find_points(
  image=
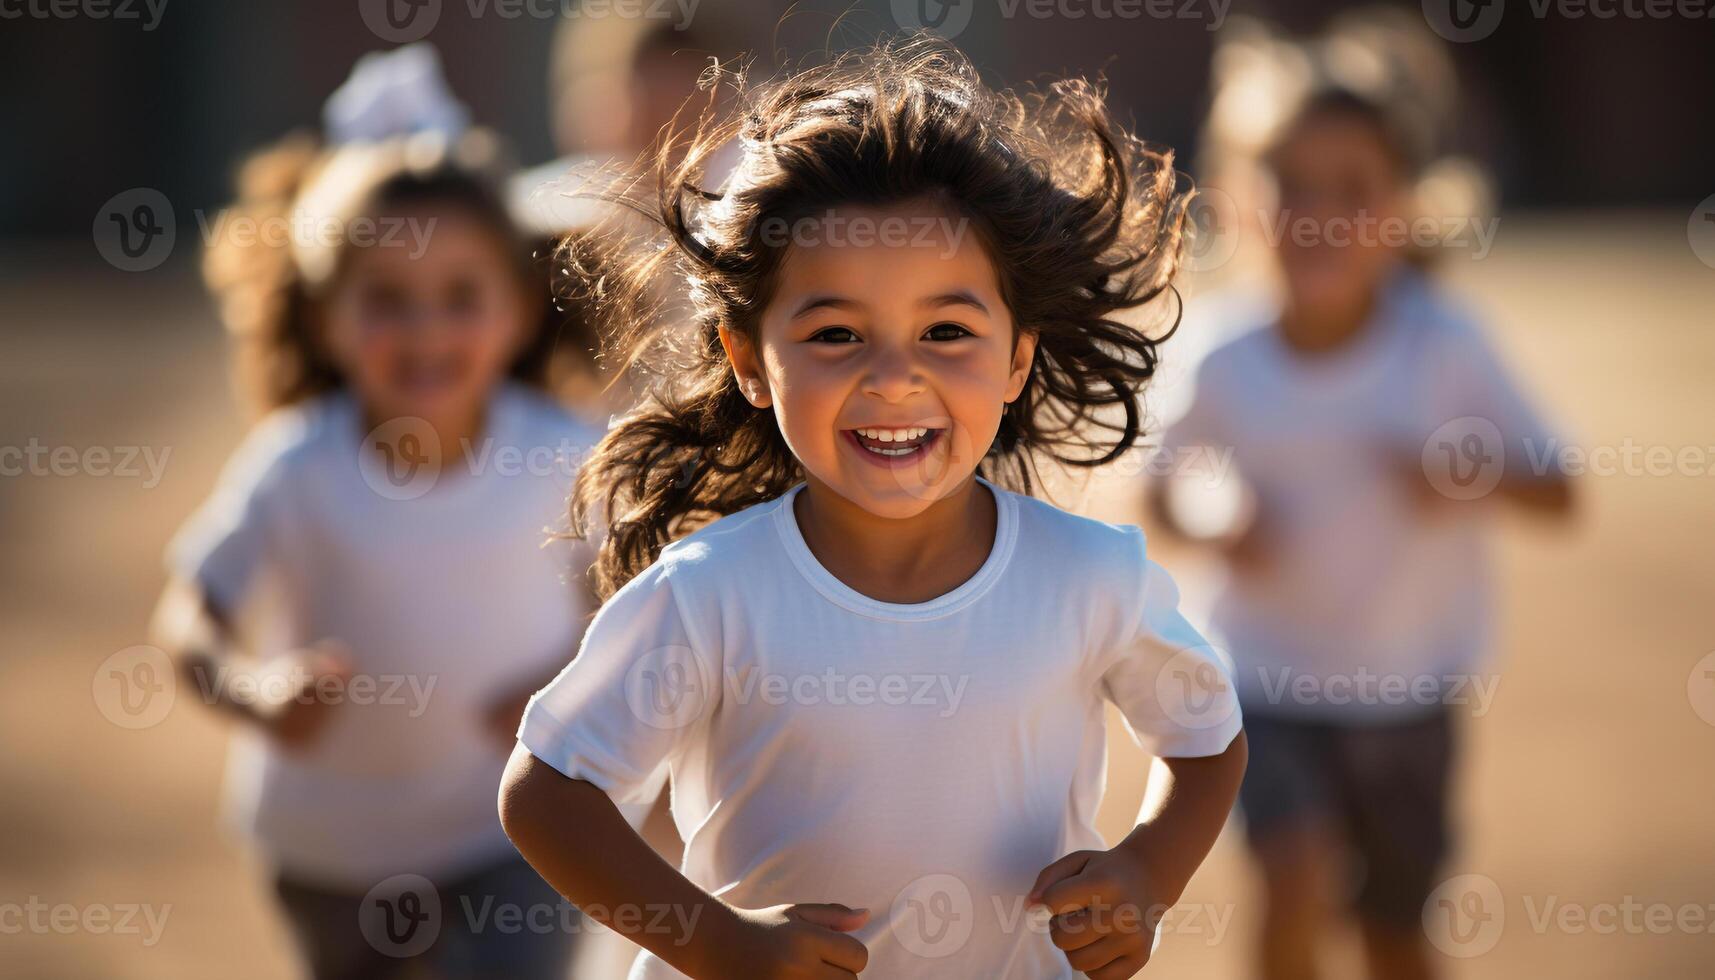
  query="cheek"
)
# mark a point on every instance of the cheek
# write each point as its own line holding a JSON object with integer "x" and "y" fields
{"x": 360, "y": 346}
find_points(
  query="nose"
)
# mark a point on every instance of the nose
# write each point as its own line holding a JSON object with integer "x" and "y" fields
{"x": 892, "y": 374}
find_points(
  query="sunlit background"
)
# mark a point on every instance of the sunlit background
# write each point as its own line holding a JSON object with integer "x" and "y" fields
{"x": 1588, "y": 785}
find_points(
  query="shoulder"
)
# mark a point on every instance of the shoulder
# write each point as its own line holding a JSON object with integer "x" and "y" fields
{"x": 1077, "y": 545}
{"x": 1435, "y": 315}
{"x": 745, "y": 538}
{"x": 284, "y": 442}
{"x": 539, "y": 420}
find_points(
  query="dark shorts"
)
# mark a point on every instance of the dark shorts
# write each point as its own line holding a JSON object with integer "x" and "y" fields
{"x": 1380, "y": 789}
{"x": 498, "y": 921}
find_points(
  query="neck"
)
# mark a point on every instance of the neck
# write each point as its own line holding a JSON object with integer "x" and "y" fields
{"x": 1312, "y": 329}
{"x": 905, "y": 560}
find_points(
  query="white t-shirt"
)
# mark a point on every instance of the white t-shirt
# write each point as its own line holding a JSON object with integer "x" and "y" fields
{"x": 446, "y": 595}
{"x": 1369, "y": 593}
{"x": 922, "y": 760}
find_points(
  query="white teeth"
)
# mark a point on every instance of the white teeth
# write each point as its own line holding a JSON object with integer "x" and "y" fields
{"x": 894, "y": 435}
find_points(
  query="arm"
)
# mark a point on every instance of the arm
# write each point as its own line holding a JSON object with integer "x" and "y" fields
{"x": 1107, "y": 904}
{"x": 607, "y": 870}
{"x": 199, "y": 635}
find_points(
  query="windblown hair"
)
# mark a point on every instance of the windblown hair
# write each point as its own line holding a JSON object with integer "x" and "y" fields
{"x": 270, "y": 281}
{"x": 1082, "y": 220}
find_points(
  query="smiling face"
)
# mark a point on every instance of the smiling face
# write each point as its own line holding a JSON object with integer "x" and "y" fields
{"x": 426, "y": 325}
{"x": 887, "y": 355}
{"x": 1335, "y": 169}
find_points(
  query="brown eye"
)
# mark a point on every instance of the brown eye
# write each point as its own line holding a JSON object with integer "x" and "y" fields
{"x": 834, "y": 335}
{"x": 947, "y": 331}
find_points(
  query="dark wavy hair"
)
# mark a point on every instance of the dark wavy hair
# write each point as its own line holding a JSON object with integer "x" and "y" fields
{"x": 269, "y": 304}
{"x": 1081, "y": 218}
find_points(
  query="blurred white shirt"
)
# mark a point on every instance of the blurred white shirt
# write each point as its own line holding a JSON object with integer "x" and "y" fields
{"x": 443, "y": 591}
{"x": 922, "y": 760}
{"x": 1367, "y": 592}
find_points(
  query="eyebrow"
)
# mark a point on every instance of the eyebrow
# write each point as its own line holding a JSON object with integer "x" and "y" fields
{"x": 958, "y": 297}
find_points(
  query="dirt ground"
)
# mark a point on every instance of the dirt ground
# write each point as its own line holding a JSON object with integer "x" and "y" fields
{"x": 1585, "y": 797}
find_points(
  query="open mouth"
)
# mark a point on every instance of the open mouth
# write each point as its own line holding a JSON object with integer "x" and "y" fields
{"x": 893, "y": 445}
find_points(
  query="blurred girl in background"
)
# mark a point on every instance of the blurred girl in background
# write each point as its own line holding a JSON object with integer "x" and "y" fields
{"x": 1361, "y": 405}
{"x": 377, "y": 544}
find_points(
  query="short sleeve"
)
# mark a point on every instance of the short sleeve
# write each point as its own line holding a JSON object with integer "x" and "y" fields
{"x": 1483, "y": 388}
{"x": 639, "y": 689}
{"x": 1173, "y": 687}
{"x": 229, "y": 538}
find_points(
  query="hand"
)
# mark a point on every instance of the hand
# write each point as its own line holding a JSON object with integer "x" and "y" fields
{"x": 287, "y": 706}
{"x": 792, "y": 941}
{"x": 1104, "y": 909}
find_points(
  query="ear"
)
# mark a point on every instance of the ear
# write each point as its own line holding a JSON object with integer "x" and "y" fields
{"x": 1023, "y": 355}
{"x": 746, "y": 367}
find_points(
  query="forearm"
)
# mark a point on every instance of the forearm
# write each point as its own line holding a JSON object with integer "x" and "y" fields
{"x": 199, "y": 636}
{"x": 1183, "y": 815}
{"x": 577, "y": 840}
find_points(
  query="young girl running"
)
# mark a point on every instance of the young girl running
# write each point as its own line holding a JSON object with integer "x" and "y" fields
{"x": 376, "y": 544}
{"x": 875, "y": 677}
{"x": 1357, "y": 604}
